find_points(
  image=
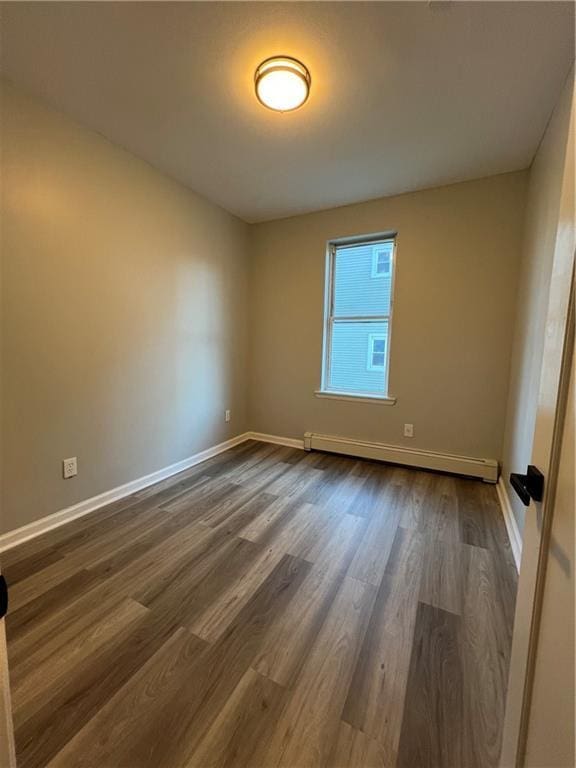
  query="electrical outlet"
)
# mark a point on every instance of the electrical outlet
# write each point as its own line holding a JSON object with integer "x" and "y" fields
{"x": 69, "y": 467}
{"x": 227, "y": 415}
{"x": 408, "y": 430}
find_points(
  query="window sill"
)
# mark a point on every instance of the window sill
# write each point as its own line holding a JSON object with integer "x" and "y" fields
{"x": 379, "y": 399}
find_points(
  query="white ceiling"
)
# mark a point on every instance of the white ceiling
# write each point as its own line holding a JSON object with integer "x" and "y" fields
{"x": 404, "y": 95}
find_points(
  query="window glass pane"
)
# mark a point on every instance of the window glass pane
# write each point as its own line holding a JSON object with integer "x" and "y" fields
{"x": 378, "y": 359}
{"x": 378, "y": 345}
{"x": 349, "y": 369}
{"x": 357, "y": 291}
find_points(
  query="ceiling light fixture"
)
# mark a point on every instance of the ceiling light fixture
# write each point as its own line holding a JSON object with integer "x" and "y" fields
{"x": 282, "y": 83}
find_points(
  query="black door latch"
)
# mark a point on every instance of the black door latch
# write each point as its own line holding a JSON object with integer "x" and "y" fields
{"x": 528, "y": 486}
{"x": 3, "y": 597}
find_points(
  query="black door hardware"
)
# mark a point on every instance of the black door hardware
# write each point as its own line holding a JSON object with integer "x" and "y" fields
{"x": 528, "y": 486}
{"x": 3, "y": 597}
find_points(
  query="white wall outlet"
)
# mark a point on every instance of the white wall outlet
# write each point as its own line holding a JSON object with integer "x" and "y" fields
{"x": 227, "y": 415}
{"x": 408, "y": 430}
{"x": 69, "y": 467}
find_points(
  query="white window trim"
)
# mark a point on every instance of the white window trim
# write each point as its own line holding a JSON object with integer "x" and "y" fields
{"x": 372, "y": 337}
{"x": 351, "y": 397}
{"x": 324, "y": 391}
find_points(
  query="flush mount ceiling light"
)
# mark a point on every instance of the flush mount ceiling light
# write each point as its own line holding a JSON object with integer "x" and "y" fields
{"x": 282, "y": 83}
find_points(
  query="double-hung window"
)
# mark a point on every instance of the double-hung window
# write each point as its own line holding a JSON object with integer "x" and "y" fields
{"x": 358, "y": 318}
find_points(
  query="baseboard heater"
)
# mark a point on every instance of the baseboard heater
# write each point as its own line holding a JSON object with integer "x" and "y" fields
{"x": 486, "y": 469}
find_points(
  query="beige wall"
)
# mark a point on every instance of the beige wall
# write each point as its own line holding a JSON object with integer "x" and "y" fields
{"x": 458, "y": 256}
{"x": 542, "y": 211}
{"x": 123, "y": 310}
{"x": 125, "y": 328}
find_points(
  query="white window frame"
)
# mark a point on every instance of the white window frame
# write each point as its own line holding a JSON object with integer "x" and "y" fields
{"x": 376, "y": 251}
{"x": 329, "y": 319}
{"x": 372, "y": 337}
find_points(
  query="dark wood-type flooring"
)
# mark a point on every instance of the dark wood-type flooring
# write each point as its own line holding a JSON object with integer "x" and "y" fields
{"x": 269, "y": 607}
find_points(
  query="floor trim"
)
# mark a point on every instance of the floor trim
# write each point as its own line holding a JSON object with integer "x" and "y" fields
{"x": 262, "y": 437}
{"x": 510, "y": 521}
{"x": 487, "y": 469}
{"x": 37, "y": 527}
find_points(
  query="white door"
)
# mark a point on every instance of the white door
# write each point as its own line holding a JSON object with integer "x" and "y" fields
{"x": 552, "y": 398}
{"x": 551, "y": 737}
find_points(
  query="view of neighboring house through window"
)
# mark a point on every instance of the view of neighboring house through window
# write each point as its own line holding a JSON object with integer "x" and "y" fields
{"x": 358, "y": 317}
{"x": 380, "y": 260}
{"x": 376, "y": 352}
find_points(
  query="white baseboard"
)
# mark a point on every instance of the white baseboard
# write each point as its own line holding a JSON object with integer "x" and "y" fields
{"x": 484, "y": 468}
{"x": 291, "y": 442}
{"x": 511, "y": 524}
{"x": 487, "y": 469}
{"x": 38, "y": 527}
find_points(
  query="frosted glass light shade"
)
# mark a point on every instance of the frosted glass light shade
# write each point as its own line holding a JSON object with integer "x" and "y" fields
{"x": 282, "y": 83}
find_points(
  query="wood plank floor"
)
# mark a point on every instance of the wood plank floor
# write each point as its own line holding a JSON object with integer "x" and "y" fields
{"x": 269, "y": 607}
